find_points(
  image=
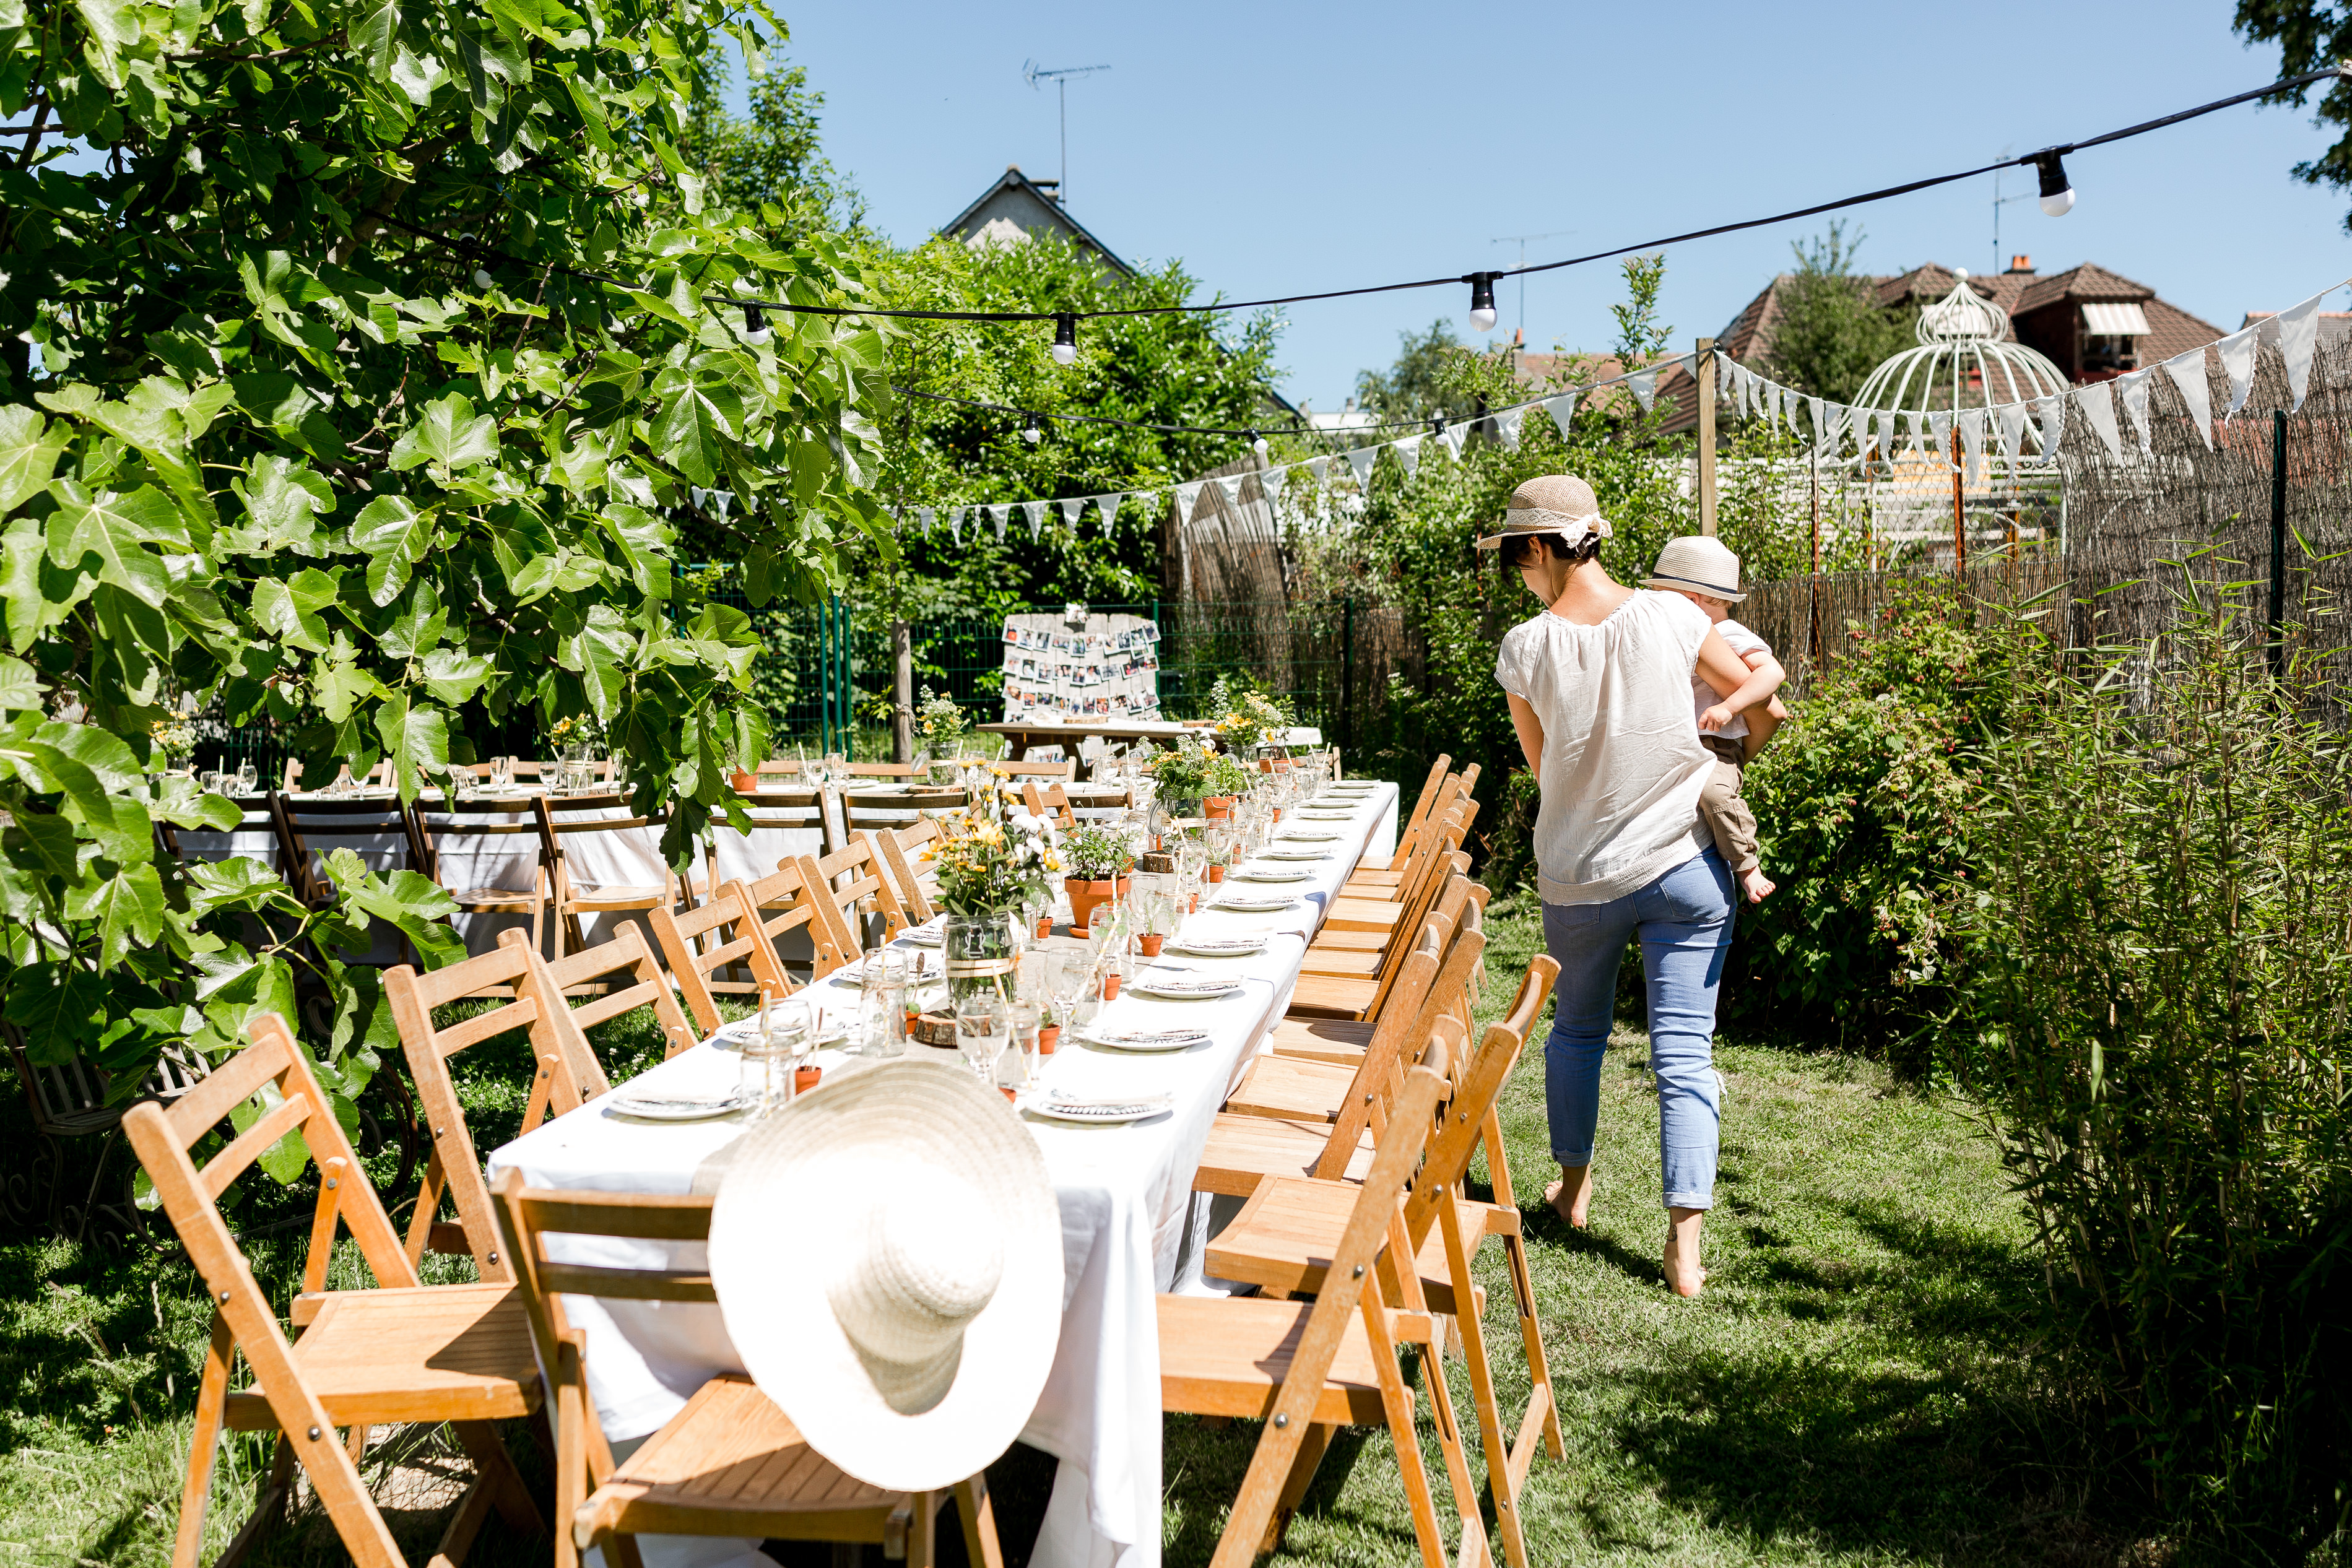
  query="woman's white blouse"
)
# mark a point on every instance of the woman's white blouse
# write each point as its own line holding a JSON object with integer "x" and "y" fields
{"x": 1623, "y": 766}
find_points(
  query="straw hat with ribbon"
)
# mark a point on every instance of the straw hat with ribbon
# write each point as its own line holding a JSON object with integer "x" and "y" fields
{"x": 887, "y": 1253}
{"x": 1559, "y": 503}
{"x": 1700, "y": 564}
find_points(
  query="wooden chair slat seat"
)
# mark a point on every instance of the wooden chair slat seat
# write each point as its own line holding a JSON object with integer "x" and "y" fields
{"x": 1232, "y": 1357}
{"x": 432, "y": 1353}
{"x": 1243, "y": 1150}
{"x": 1288, "y": 1088}
{"x": 1323, "y": 1040}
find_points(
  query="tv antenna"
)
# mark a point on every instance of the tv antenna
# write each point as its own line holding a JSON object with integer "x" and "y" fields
{"x": 1032, "y": 73}
{"x": 1522, "y": 241}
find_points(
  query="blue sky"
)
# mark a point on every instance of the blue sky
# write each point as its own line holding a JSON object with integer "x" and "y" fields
{"x": 1280, "y": 149}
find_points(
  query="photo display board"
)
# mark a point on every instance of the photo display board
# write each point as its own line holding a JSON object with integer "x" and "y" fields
{"x": 1106, "y": 669}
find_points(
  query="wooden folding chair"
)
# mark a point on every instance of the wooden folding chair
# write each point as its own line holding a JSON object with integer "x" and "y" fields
{"x": 723, "y": 933}
{"x": 910, "y": 876}
{"x": 1245, "y": 1147}
{"x": 1060, "y": 772}
{"x": 1053, "y": 802}
{"x": 850, "y": 881}
{"x": 377, "y": 777}
{"x": 400, "y": 1353}
{"x": 304, "y": 825}
{"x": 1364, "y": 925}
{"x": 585, "y": 982}
{"x": 1316, "y": 1036}
{"x": 1437, "y": 792}
{"x": 504, "y": 825}
{"x": 576, "y": 895}
{"x": 565, "y": 1076}
{"x": 731, "y": 1463}
{"x": 792, "y": 896}
{"x": 1323, "y": 995}
{"x": 1289, "y": 1231}
{"x": 1306, "y": 1370}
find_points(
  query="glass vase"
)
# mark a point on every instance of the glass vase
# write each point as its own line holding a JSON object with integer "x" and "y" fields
{"x": 981, "y": 952}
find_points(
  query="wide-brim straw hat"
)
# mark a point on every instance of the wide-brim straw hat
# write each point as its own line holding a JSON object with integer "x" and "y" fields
{"x": 1700, "y": 564}
{"x": 1559, "y": 503}
{"x": 887, "y": 1253}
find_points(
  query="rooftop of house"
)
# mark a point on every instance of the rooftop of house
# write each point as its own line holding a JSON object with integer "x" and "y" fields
{"x": 1015, "y": 208}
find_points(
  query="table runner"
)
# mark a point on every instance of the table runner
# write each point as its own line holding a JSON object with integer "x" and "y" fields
{"x": 1132, "y": 1224}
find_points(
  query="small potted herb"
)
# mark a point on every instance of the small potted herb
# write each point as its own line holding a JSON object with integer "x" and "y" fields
{"x": 1225, "y": 781}
{"x": 1094, "y": 862}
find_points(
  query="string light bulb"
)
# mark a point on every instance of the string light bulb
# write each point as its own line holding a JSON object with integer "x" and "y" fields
{"x": 1032, "y": 435}
{"x": 1065, "y": 339}
{"x": 1258, "y": 443}
{"x": 756, "y": 330}
{"x": 1482, "y": 300}
{"x": 2057, "y": 190}
{"x": 482, "y": 277}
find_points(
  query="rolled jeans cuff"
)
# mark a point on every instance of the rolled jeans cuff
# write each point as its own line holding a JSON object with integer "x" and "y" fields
{"x": 1690, "y": 1200}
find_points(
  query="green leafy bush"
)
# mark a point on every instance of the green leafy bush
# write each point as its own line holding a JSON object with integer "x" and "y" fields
{"x": 2157, "y": 972}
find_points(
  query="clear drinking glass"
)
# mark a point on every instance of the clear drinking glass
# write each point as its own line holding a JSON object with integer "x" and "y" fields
{"x": 1023, "y": 1056}
{"x": 984, "y": 1023}
{"x": 882, "y": 1012}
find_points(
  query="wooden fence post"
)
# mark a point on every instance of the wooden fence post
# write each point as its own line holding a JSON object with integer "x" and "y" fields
{"x": 902, "y": 689}
{"x": 1705, "y": 368}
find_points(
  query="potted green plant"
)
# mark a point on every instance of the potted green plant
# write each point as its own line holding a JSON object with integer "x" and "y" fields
{"x": 1180, "y": 774}
{"x": 1095, "y": 861}
{"x": 1224, "y": 781}
{"x": 942, "y": 727}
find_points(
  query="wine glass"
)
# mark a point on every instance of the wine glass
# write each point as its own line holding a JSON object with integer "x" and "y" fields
{"x": 249, "y": 776}
{"x": 984, "y": 1023}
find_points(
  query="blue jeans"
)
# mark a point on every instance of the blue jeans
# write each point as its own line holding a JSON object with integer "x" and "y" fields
{"x": 1685, "y": 919}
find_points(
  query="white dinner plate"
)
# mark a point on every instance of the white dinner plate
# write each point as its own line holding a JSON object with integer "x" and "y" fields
{"x": 1326, "y": 815}
{"x": 1253, "y": 903}
{"x": 1145, "y": 1039}
{"x": 652, "y": 1107}
{"x": 1218, "y": 946}
{"x": 929, "y": 933}
{"x": 1313, "y": 836}
{"x": 1183, "y": 988}
{"x": 1298, "y": 854}
{"x": 1098, "y": 1112}
{"x": 836, "y": 1030}
{"x": 1266, "y": 873}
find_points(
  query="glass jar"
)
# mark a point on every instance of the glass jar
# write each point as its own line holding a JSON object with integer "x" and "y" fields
{"x": 981, "y": 951}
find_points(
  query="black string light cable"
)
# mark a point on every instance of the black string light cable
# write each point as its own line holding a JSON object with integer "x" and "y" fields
{"x": 1254, "y": 432}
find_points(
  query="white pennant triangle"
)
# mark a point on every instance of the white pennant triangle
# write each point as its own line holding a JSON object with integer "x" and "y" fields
{"x": 1889, "y": 428}
{"x": 1939, "y": 432}
{"x": 2187, "y": 373}
{"x": 1815, "y": 406}
{"x": 1000, "y": 514}
{"x": 955, "y": 525}
{"x": 2097, "y": 402}
{"x": 2012, "y": 432}
{"x": 2298, "y": 330}
{"x": 1320, "y": 468}
{"x": 2238, "y": 363}
{"x": 1360, "y": 460}
{"x": 2052, "y": 410}
{"x": 1229, "y": 485}
{"x": 1271, "y": 481}
{"x": 2134, "y": 389}
{"x": 1070, "y": 510}
{"x": 1110, "y": 506}
{"x": 1408, "y": 451}
{"x": 1187, "y": 494}
{"x": 1644, "y": 385}
{"x": 1034, "y": 511}
{"x": 1453, "y": 437}
{"x": 1507, "y": 426}
{"x": 1918, "y": 423}
{"x": 1561, "y": 409}
{"x": 928, "y": 516}
{"x": 1973, "y": 435}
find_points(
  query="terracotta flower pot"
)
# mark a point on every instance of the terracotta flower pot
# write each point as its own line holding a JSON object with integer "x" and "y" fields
{"x": 1045, "y": 925}
{"x": 1215, "y": 807}
{"x": 745, "y": 783}
{"x": 1110, "y": 987}
{"x": 1048, "y": 1038}
{"x": 1085, "y": 897}
{"x": 805, "y": 1079}
{"x": 1216, "y": 874}
{"x": 1152, "y": 944}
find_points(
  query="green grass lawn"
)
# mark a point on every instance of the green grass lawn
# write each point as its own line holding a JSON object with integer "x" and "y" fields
{"x": 1855, "y": 1388}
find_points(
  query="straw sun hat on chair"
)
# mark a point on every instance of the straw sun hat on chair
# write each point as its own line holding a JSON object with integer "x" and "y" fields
{"x": 1559, "y": 503}
{"x": 887, "y": 1253}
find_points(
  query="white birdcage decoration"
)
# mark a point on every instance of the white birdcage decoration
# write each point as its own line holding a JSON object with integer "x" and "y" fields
{"x": 1966, "y": 358}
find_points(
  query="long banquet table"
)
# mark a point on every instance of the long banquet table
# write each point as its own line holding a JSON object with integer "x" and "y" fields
{"x": 1132, "y": 1225}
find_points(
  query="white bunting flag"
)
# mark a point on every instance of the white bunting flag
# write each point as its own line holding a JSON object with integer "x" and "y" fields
{"x": 2134, "y": 389}
{"x": 1507, "y": 426}
{"x": 1919, "y": 442}
{"x": 2053, "y": 411}
{"x": 2097, "y": 402}
{"x": 2187, "y": 373}
{"x": 1833, "y": 432}
{"x": 1408, "y": 451}
{"x": 2012, "y": 432}
{"x": 1813, "y": 407}
{"x": 999, "y": 515}
{"x": 1973, "y": 435}
{"x": 2238, "y": 363}
{"x": 1108, "y": 505}
{"x": 1561, "y": 409}
{"x": 1071, "y": 507}
{"x": 1939, "y": 432}
{"x": 1319, "y": 469}
{"x": 1360, "y": 461}
{"x": 1889, "y": 427}
{"x": 2298, "y": 330}
{"x": 1187, "y": 494}
{"x": 1644, "y": 385}
{"x": 1034, "y": 511}
{"x": 928, "y": 516}
{"x": 1271, "y": 481}
{"x": 955, "y": 525}
{"x": 1229, "y": 485}
{"x": 1453, "y": 435}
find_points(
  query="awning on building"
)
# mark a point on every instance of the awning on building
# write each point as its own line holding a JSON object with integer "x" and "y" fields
{"x": 2115, "y": 320}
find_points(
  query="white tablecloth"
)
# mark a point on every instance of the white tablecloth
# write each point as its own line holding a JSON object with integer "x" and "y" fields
{"x": 1132, "y": 1224}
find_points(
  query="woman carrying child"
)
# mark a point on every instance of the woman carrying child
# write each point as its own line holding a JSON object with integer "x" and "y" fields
{"x": 1599, "y": 683}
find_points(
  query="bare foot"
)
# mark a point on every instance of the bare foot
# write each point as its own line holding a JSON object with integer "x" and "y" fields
{"x": 1571, "y": 1195}
{"x": 1759, "y": 886}
{"x": 1685, "y": 1277}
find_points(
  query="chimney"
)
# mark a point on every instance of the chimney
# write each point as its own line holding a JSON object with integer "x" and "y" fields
{"x": 2022, "y": 264}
